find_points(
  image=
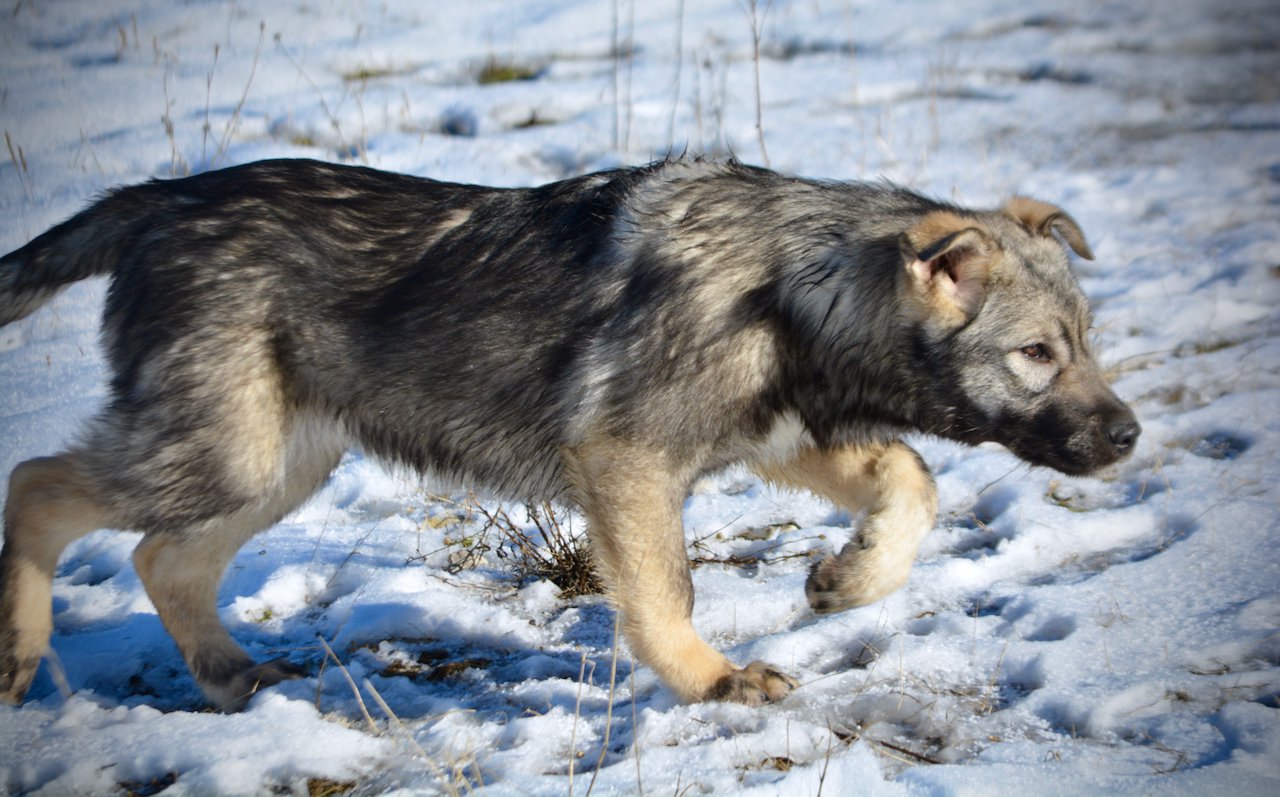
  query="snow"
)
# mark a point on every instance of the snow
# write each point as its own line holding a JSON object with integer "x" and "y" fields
{"x": 1106, "y": 635}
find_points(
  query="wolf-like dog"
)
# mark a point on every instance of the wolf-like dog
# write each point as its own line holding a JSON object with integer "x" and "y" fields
{"x": 604, "y": 341}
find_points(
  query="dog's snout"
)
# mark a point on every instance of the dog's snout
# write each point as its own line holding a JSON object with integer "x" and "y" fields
{"x": 1123, "y": 433}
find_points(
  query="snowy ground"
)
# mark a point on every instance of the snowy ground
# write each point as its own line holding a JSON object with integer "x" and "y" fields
{"x": 1058, "y": 635}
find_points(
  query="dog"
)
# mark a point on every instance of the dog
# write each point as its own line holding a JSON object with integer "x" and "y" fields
{"x": 604, "y": 341}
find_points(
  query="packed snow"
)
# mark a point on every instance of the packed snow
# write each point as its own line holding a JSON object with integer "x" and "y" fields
{"x": 1107, "y": 635}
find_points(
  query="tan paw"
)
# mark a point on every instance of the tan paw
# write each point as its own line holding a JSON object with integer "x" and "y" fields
{"x": 755, "y": 684}
{"x": 16, "y": 672}
{"x": 851, "y": 579}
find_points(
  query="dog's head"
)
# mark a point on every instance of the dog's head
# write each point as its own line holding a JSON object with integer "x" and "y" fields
{"x": 1003, "y": 327}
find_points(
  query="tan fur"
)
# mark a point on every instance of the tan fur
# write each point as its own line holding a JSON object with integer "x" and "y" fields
{"x": 1043, "y": 218}
{"x": 892, "y": 484}
{"x": 787, "y": 437}
{"x": 947, "y": 264}
{"x": 50, "y": 504}
{"x": 455, "y": 218}
{"x": 632, "y": 497}
{"x": 181, "y": 572}
{"x": 253, "y": 411}
{"x": 935, "y": 226}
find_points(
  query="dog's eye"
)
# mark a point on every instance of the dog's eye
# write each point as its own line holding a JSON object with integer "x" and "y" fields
{"x": 1037, "y": 352}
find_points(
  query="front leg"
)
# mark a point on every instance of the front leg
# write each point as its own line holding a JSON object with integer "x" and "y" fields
{"x": 893, "y": 484}
{"x": 632, "y": 498}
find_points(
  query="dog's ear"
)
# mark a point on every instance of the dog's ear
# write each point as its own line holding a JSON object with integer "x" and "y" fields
{"x": 1045, "y": 219}
{"x": 947, "y": 260}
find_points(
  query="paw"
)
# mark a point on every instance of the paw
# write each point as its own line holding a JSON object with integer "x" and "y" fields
{"x": 756, "y": 684}
{"x": 852, "y": 579}
{"x": 234, "y": 693}
{"x": 16, "y": 673}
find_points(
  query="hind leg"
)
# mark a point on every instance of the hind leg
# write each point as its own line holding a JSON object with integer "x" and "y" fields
{"x": 207, "y": 449}
{"x": 181, "y": 570}
{"x": 51, "y": 502}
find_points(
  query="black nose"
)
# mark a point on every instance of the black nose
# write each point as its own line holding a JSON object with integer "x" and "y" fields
{"x": 1123, "y": 434}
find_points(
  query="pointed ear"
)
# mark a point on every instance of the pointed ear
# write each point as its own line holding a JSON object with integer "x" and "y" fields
{"x": 1045, "y": 219}
{"x": 947, "y": 260}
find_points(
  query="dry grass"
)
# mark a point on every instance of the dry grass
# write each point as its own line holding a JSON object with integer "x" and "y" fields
{"x": 496, "y": 71}
{"x": 324, "y": 787}
{"x": 546, "y": 547}
{"x": 19, "y": 159}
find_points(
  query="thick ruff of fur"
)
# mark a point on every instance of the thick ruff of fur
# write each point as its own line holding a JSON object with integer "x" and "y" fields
{"x": 604, "y": 340}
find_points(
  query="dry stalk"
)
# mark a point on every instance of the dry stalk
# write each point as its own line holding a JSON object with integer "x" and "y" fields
{"x": 404, "y": 730}
{"x": 324, "y": 106}
{"x": 19, "y": 159}
{"x": 355, "y": 690}
{"x": 675, "y": 99}
{"x": 208, "y": 91}
{"x": 608, "y": 714}
{"x": 989, "y": 693}
{"x": 826, "y": 759}
{"x": 635, "y": 728}
{"x": 577, "y": 714}
{"x": 917, "y": 758}
{"x": 757, "y": 28}
{"x": 175, "y": 155}
{"x": 234, "y": 123}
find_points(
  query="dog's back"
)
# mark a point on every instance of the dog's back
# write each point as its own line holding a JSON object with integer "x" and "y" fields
{"x": 440, "y": 323}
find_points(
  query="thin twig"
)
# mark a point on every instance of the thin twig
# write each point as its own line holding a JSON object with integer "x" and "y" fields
{"x": 757, "y": 27}
{"x": 391, "y": 715}
{"x": 635, "y": 728}
{"x": 616, "y": 94}
{"x": 913, "y": 754}
{"x": 234, "y": 123}
{"x": 675, "y": 100}
{"x": 208, "y": 91}
{"x": 57, "y": 673}
{"x": 826, "y": 759}
{"x": 355, "y": 690}
{"x": 608, "y": 714}
{"x": 577, "y": 714}
{"x": 20, "y": 163}
{"x": 324, "y": 106}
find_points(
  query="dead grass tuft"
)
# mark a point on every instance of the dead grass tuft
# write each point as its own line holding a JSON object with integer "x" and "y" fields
{"x": 545, "y": 548}
{"x": 495, "y": 71}
{"x": 324, "y": 787}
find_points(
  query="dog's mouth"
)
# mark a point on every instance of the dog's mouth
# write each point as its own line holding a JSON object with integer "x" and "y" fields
{"x": 1076, "y": 449}
{"x": 1086, "y": 466}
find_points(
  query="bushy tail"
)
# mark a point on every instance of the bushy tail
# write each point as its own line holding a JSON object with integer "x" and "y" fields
{"x": 86, "y": 245}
